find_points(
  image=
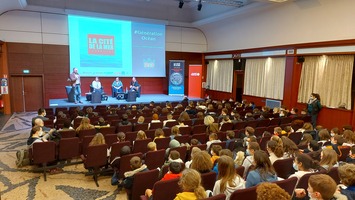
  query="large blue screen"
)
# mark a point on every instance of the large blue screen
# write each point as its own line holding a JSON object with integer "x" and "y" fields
{"x": 110, "y": 48}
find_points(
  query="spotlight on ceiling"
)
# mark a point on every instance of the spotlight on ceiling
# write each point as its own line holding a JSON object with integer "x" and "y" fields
{"x": 181, "y": 3}
{"x": 199, "y": 6}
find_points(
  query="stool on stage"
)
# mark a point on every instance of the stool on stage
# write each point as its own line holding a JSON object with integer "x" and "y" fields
{"x": 131, "y": 96}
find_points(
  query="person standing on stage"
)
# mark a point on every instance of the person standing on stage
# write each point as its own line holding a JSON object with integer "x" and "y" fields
{"x": 313, "y": 108}
{"x": 117, "y": 86}
{"x": 96, "y": 84}
{"x": 135, "y": 86}
{"x": 75, "y": 78}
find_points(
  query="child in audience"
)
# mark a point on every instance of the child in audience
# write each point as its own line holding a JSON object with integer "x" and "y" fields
{"x": 249, "y": 132}
{"x": 215, "y": 153}
{"x": 271, "y": 191}
{"x": 137, "y": 166}
{"x": 194, "y": 151}
{"x": 264, "y": 171}
{"x": 230, "y": 138}
{"x": 159, "y": 133}
{"x": 351, "y": 157}
{"x": 175, "y": 169}
{"x": 213, "y": 138}
{"x": 115, "y": 164}
{"x": 201, "y": 162}
{"x": 275, "y": 151}
{"x": 175, "y": 131}
{"x": 228, "y": 181}
{"x": 304, "y": 164}
{"x": 152, "y": 146}
{"x": 190, "y": 183}
{"x": 121, "y": 137}
{"x": 248, "y": 161}
{"x": 141, "y": 135}
{"x": 328, "y": 159}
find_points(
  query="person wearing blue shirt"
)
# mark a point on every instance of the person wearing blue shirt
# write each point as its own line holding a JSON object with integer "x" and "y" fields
{"x": 264, "y": 171}
{"x": 117, "y": 86}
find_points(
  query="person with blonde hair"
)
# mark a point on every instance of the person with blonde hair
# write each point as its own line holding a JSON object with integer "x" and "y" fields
{"x": 175, "y": 131}
{"x": 194, "y": 151}
{"x": 85, "y": 125}
{"x": 97, "y": 140}
{"x": 328, "y": 159}
{"x": 190, "y": 184}
{"x": 271, "y": 191}
{"x": 141, "y": 135}
{"x": 228, "y": 181}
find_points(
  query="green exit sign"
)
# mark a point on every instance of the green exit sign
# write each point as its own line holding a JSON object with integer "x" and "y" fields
{"x": 26, "y": 71}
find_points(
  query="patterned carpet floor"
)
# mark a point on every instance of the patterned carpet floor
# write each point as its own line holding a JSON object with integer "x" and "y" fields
{"x": 24, "y": 183}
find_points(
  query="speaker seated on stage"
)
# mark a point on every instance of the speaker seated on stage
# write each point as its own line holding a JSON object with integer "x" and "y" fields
{"x": 117, "y": 87}
{"x": 134, "y": 86}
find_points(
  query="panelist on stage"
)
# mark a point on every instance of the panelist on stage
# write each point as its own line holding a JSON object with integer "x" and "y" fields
{"x": 96, "y": 84}
{"x": 135, "y": 86}
{"x": 117, "y": 86}
{"x": 75, "y": 79}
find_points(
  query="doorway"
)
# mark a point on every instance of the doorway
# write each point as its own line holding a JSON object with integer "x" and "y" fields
{"x": 26, "y": 93}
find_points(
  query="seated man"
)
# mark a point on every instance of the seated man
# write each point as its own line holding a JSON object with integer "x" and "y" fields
{"x": 117, "y": 87}
{"x": 135, "y": 86}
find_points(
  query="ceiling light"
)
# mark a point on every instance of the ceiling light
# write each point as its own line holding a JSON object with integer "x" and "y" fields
{"x": 199, "y": 6}
{"x": 181, "y": 3}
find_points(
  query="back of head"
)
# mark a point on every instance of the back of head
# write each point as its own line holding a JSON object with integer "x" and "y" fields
{"x": 135, "y": 162}
{"x": 175, "y": 167}
{"x": 174, "y": 143}
{"x": 174, "y": 155}
{"x": 190, "y": 181}
{"x": 263, "y": 163}
{"x": 347, "y": 174}
{"x": 125, "y": 150}
{"x": 208, "y": 120}
{"x": 323, "y": 184}
{"x": 201, "y": 162}
{"x": 226, "y": 152}
{"x": 271, "y": 191}
{"x": 307, "y": 162}
{"x": 41, "y": 111}
{"x": 152, "y": 146}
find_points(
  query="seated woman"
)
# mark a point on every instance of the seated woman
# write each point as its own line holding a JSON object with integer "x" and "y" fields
{"x": 96, "y": 84}
{"x": 264, "y": 171}
{"x": 202, "y": 162}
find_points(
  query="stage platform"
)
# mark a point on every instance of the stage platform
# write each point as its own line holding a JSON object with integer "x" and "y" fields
{"x": 144, "y": 98}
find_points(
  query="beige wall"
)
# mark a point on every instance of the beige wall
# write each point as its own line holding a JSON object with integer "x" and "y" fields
{"x": 44, "y": 28}
{"x": 300, "y": 21}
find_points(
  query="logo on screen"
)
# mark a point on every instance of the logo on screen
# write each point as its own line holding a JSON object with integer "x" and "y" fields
{"x": 101, "y": 44}
{"x": 149, "y": 63}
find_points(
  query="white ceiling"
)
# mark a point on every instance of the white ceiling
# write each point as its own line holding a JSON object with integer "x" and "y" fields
{"x": 166, "y": 10}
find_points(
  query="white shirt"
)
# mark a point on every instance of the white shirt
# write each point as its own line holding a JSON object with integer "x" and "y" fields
{"x": 238, "y": 182}
{"x": 96, "y": 84}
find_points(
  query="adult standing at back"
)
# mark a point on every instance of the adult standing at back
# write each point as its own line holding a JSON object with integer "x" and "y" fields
{"x": 313, "y": 107}
{"x": 75, "y": 78}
